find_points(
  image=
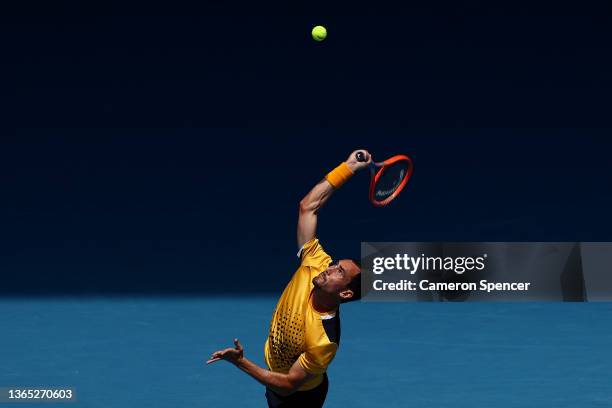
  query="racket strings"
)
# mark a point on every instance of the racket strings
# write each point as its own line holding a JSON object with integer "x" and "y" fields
{"x": 390, "y": 180}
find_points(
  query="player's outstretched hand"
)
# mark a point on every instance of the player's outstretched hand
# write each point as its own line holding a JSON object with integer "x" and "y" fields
{"x": 354, "y": 164}
{"x": 233, "y": 355}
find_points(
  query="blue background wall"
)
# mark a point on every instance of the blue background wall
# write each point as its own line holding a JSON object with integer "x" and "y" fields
{"x": 149, "y": 148}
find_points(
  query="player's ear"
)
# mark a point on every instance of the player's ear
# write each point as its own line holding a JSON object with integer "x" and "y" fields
{"x": 346, "y": 294}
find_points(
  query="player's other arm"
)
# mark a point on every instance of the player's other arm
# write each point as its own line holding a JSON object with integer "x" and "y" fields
{"x": 283, "y": 384}
{"x": 314, "y": 200}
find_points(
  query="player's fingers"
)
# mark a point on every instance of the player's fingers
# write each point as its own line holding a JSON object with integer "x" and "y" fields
{"x": 237, "y": 344}
{"x": 358, "y": 156}
{"x": 212, "y": 360}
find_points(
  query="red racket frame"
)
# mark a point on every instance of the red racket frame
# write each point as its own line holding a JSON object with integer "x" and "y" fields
{"x": 382, "y": 167}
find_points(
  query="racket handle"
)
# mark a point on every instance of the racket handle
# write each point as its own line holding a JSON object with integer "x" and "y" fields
{"x": 360, "y": 157}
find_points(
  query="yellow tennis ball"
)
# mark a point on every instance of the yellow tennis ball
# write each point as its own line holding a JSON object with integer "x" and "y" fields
{"x": 319, "y": 33}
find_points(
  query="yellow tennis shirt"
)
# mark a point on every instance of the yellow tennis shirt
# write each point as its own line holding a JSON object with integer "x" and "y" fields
{"x": 297, "y": 331}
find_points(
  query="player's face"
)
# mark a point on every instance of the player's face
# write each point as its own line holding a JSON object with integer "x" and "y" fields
{"x": 336, "y": 277}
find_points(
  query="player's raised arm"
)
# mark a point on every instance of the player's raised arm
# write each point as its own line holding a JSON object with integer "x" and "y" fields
{"x": 314, "y": 200}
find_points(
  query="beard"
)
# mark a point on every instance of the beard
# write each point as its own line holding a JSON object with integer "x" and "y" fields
{"x": 319, "y": 280}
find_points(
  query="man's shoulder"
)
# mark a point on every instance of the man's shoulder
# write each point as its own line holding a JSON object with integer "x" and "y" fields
{"x": 312, "y": 254}
{"x": 326, "y": 329}
{"x": 332, "y": 328}
{"x": 310, "y": 246}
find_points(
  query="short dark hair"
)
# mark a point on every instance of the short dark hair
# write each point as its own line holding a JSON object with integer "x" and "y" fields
{"x": 355, "y": 284}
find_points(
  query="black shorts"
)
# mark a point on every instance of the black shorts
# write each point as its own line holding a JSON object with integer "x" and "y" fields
{"x": 300, "y": 399}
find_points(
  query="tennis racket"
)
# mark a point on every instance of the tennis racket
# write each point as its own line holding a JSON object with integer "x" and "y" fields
{"x": 388, "y": 178}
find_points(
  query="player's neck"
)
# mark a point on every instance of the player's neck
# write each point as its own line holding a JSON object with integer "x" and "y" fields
{"x": 322, "y": 303}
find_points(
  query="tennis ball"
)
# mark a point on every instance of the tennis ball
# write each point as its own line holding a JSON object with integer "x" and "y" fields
{"x": 319, "y": 33}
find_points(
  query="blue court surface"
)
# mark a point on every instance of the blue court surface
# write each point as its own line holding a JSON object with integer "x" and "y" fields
{"x": 150, "y": 352}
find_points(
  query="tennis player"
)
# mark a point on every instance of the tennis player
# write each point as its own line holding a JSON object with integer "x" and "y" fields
{"x": 305, "y": 328}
